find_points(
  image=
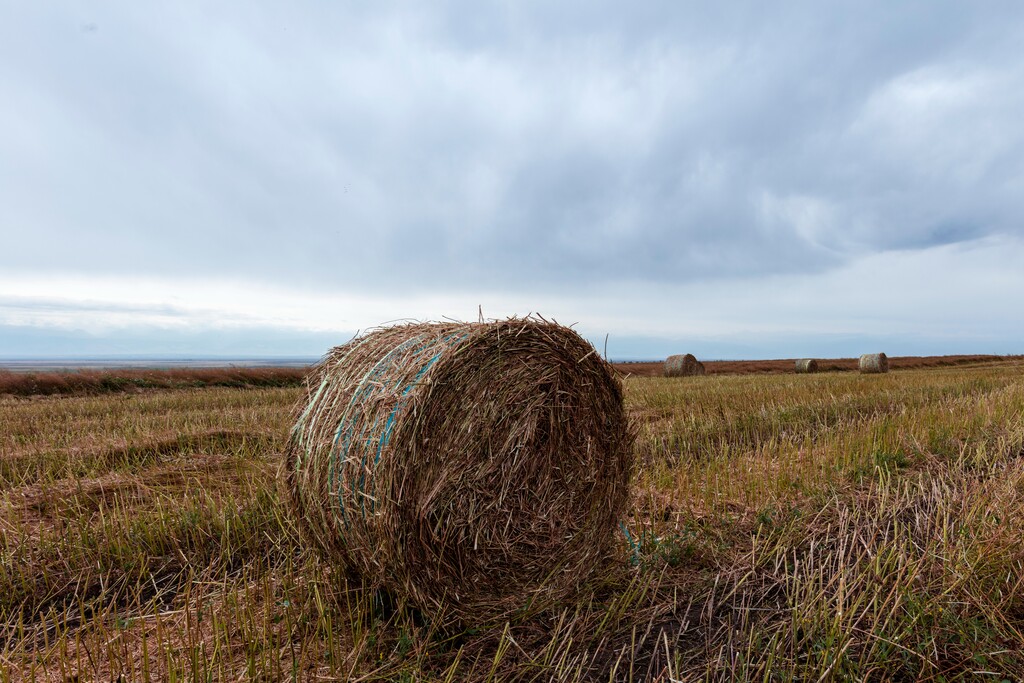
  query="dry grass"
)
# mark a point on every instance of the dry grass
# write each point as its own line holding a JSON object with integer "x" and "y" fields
{"x": 782, "y": 527}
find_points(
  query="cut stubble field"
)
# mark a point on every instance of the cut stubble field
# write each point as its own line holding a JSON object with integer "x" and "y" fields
{"x": 782, "y": 527}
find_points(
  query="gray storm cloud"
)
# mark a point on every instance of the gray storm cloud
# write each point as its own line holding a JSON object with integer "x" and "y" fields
{"x": 743, "y": 179}
{"x": 520, "y": 147}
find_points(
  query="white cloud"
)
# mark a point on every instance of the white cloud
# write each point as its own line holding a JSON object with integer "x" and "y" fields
{"x": 902, "y": 294}
{"x": 759, "y": 169}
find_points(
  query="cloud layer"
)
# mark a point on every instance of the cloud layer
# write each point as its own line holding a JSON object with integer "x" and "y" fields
{"x": 552, "y": 157}
{"x": 887, "y": 300}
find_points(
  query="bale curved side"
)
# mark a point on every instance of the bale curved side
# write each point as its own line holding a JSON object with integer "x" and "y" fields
{"x": 479, "y": 469}
{"x": 685, "y": 365}
{"x": 806, "y": 365}
{"x": 872, "y": 363}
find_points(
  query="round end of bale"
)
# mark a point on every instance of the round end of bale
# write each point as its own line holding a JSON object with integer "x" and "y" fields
{"x": 872, "y": 363}
{"x": 806, "y": 365}
{"x": 683, "y": 366}
{"x": 480, "y": 469}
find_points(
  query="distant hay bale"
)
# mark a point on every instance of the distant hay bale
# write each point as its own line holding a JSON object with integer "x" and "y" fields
{"x": 683, "y": 366}
{"x": 874, "y": 363}
{"x": 477, "y": 468}
{"x": 806, "y": 365}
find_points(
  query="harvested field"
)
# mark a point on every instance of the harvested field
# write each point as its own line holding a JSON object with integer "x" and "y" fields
{"x": 785, "y": 365}
{"x": 781, "y": 527}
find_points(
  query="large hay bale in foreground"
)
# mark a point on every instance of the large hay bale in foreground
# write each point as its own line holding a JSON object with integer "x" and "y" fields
{"x": 683, "y": 366}
{"x": 476, "y": 467}
{"x": 874, "y": 363}
{"x": 806, "y": 365}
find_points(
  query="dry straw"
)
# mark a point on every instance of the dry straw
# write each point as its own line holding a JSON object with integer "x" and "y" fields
{"x": 806, "y": 365}
{"x": 478, "y": 469}
{"x": 874, "y": 363}
{"x": 683, "y": 366}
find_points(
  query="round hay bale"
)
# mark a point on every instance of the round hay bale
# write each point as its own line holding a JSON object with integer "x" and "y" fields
{"x": 874, "y": 363}
{"x": 683, "y": 366}
{"x": 479, "y": 469}
{"x": 806, "y": 365}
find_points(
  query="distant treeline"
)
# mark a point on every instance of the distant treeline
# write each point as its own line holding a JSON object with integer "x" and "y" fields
{"x": 112, "y": 381}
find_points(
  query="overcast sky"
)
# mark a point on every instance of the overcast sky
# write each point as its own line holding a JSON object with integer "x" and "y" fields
{"x": 740, "y": 180}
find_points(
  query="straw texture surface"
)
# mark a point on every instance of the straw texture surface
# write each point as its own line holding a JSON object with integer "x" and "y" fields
{"x": 477, "y": 468}
{"x": 871, "y": 363}
{"x": 683, "y": 366}
{"x": 806, "y": 365}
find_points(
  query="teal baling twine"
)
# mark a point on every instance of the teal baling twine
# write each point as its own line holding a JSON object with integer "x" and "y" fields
{"x": 389, "y": 425}
{"x": 345, "y": 436}
{"x": 634, "y": 546}
{"x": 346, "y": 427}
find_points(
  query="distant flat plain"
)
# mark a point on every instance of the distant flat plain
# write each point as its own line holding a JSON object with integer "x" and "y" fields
{"x": 646, "y": 368}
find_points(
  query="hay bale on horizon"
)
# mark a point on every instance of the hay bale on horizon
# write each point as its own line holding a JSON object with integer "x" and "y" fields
{"x": 872, "y": 363}
{"x": 806, "y": 365}
{"x": 685, "y": 365}
{"x": 478, "y": 468}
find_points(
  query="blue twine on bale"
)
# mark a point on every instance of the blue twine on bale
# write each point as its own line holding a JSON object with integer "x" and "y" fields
{"x": 369, "y": 435}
